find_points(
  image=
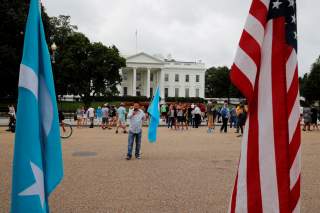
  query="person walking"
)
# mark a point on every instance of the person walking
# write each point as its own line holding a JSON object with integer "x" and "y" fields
{"x": 136, "y": 117}
{"x": 105, "y": 116}
{"x": 79, "y": 117}
{"x": 121, "y": 114}
{"x": 12, "y": 118}
{"x": 233, "y": 117}
{"x": 84, "y": 116}
{"x": 112, "y": 117}
{"x": 307, "y": 118}
{"x": 189, "y": 114}
{"x": 163, "y": 110}
{"x": 210, "y": 111}
{"x": 225, "y": 114}
{"x": 242, "y": 117}
{"x": 197, "y": 116}
{"x": 99, "y": 115}
{"x": 180, "y": 117}
{"x": 171, "y": 116}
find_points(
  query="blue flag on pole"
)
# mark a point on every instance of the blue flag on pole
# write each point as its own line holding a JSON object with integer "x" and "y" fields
{"x": 154, "y": 112}
{"x": 37, "y": 163}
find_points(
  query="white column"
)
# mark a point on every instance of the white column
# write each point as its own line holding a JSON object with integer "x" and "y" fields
{"x": 119, "y": 87}
{"x": 161, "y": 82}
{"x": 134, "y": 82}
{"x": 148, "y": 83}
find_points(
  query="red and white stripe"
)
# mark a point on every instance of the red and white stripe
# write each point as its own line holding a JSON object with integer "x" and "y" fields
{"x": 265, "y": 70}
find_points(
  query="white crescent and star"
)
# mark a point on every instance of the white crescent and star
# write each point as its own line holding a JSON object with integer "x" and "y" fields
{"x": 38, "y": 187}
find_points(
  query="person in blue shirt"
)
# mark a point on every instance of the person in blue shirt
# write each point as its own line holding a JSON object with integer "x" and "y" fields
{"x": 121, "y": 115}
{"x": 225, "y": 114}
{"x": 136, "y": 117}
{"x": 99, "y": 115}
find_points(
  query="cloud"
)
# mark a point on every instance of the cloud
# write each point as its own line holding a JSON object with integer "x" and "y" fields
{"x": 188, "y": 29}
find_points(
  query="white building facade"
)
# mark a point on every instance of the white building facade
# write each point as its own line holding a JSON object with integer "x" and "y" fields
{"x": 143, "y": 73}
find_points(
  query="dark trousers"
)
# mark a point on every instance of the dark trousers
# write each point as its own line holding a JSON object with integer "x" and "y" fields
{"x": 170, "y": 122}
{"x": 241, "y": 128}
{"x": 131, "y": 138}
{"x": 91, "y": 122}
{"x": 197, "y": 119}
{"x": 224, "y": 125}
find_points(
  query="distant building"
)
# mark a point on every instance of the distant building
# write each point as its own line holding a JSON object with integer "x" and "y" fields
{"x": 143, "y": 73}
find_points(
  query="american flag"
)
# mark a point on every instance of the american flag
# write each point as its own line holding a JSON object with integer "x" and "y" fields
{"x": 265, "y": 70}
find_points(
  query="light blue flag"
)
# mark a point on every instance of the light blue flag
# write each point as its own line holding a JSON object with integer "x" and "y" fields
{"x": 37, "y": 163}
{"x": 154, "y": 112}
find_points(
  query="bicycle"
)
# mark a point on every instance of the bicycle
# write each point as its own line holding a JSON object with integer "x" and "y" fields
{"x": 65, "y": 130}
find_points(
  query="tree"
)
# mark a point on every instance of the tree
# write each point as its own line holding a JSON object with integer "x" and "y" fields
{"x": 13, "y": 16}
{"x": 311, "y": 84}
{"x": 87, "y": 69}
{"x": 218, "y": 83}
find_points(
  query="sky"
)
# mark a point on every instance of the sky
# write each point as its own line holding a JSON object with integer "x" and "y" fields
{"x": 188, "y": 30}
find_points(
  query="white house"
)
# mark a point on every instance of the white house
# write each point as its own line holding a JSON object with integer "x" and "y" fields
{"x": 143, "y": 73}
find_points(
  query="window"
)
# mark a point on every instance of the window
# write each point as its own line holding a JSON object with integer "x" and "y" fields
{"x": 138, "y": 76}
{"x": 176, "y": 92}
{"x": 176, "y": 77}
{"x": 197, "y": 78}
{"x": 151, "y": 76}
{"x": 138, "y": 93}
{"x": 187, "y": 78}
{"x": 166, "y": 92}
{"x": 151, "y": 91}
{"x": 166, "y": 77}
{"x": 187, "y": 93}
{"x": 197, "y": 92}
{"x": 125, "y": 91}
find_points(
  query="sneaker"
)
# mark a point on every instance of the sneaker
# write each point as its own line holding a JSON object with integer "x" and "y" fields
{"x": 138, "y": 157}
{"x": 125, "y": 132}
{"x": 128, "y": 157}
{"x": 238, "y": 136}
{"x": 116, "y": 131}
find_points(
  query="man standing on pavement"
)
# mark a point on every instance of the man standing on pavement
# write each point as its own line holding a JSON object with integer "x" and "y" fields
{"x": 105, "y": 116}
{"x": 90, "y": 112}
{"x": 225, "y": 114}
{"x": 210, "y": 112}
{"x": 121, "y": 114}
{"x": 136, "y": 117}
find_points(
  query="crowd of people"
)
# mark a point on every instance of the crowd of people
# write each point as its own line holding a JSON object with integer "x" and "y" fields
{"x": 310, "y": 117}
{"x": 107, "y": 117}
{"x": 180, "y": 116}
{"x": 176, "y": 116}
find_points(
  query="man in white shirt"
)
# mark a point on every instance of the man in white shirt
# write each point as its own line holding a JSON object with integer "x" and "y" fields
{"x": 90, "y": 114}
{"x": 197, "y": 116}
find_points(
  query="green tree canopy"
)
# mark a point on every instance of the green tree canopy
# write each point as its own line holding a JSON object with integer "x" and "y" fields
{"x": 80, "y": 67}
{"x": 310, "y": 83}
{"x": 218, "y": 83}
{"x": 87, "y": 69}
{"x": 13, "y": 16}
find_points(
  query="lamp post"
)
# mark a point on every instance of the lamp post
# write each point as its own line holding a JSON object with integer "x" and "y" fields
{"x": 53, "y": 49}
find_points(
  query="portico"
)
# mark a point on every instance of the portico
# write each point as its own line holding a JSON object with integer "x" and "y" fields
{"x": 143, "y": 73}
{"x": 139, "y": 80}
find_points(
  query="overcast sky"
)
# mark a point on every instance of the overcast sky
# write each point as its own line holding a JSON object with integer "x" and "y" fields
{"x": 189, "y": 30}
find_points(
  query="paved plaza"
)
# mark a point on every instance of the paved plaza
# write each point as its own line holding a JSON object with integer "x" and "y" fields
{"x": 185, "y": 171}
